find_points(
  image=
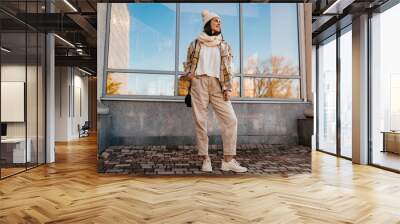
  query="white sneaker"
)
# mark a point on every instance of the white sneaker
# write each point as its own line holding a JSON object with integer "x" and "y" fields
{"x": 232, "y": 165}
{"x": 206, "y": 165}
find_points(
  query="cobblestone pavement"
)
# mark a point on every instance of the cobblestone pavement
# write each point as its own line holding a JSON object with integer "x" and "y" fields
{"x": 260, "y": 159}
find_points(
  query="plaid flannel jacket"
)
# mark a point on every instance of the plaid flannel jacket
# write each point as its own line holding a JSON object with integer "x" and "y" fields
{"x": 192, "y": 58}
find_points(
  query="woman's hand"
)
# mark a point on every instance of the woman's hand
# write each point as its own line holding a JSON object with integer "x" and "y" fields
{"x": 190, "y": 76}
{"x": 227, "y": 95}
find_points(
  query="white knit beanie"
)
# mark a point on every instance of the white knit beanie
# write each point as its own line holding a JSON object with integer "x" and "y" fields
{"x": 207, "y": 16}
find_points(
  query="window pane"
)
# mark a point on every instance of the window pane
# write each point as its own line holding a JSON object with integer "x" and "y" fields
{"x": 236, "y": 87}
{"x": 140, "y": 84}
{"x": 271, "y": 87}
{"x": 385, "y": 88}
{"x": 191, "y": 25}
{"x": 142, "y": 36}
{"x": 327, "y": 96}
{"x": 270, "y": 39}
{"x": 183, "y": 86}
{"x": 346, "y": 94}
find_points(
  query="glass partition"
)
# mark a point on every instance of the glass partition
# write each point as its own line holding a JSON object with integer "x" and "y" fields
{"x": 22, "y": 101}
{"x": 15, "y": 150}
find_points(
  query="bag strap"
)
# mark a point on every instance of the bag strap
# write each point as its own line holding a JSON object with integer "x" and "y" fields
{"x": 196, "y": 58}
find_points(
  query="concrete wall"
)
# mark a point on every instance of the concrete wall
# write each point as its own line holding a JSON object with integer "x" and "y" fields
{"x": 171, "y": 123}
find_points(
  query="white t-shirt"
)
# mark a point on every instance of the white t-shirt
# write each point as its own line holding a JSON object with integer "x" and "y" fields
{"x": 209, "y": 61}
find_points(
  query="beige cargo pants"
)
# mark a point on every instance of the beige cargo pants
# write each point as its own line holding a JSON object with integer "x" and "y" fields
{"x": 206, "y": 90}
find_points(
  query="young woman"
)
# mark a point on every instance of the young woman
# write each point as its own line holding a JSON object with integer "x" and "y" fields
{"x": 209, "y": 69}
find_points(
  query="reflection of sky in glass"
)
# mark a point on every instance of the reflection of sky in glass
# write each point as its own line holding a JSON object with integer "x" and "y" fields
{"x": 152, "y": 36}
{"x": 269, "y": 30}
{"x": 152, "y": 46}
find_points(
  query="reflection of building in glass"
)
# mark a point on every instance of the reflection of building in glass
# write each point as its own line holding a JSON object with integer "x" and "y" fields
{"x": 329, "y": 106}
{"x": 119, "y": 56}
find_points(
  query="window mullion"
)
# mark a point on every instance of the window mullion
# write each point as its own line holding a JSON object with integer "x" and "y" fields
{"x": 177, "y": 17}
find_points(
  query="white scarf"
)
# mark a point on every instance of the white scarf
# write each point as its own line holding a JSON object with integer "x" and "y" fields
{"x": 210, "y": 41}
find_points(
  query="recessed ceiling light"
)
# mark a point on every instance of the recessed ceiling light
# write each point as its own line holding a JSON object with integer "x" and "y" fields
{"x": 70, "y": 5}
{"x": 84, "y": 71}
{"x": 5, "y": 50}
{"x": 64, "y": 40}
{"x": 338, "y": 6}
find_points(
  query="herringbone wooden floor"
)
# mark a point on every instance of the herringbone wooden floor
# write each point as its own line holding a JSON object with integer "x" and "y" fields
{"x": 70, "y": 191}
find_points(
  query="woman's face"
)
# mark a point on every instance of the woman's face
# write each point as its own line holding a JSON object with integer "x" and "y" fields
{"x": 215, "y": 25}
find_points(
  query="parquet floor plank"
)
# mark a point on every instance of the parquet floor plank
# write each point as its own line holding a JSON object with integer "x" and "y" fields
{"x": 71, "y": 191}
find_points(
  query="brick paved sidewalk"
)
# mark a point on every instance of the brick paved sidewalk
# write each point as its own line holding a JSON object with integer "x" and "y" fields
{"x": 260, "y": 159}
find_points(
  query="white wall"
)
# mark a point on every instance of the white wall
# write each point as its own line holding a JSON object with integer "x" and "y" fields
{"x": 70, "y": 83}
{"x": 61, "y": 103}
{"x": 79, "y": 117}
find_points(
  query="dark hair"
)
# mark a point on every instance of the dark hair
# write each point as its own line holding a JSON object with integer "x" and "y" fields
{"x": 208, "y": 31}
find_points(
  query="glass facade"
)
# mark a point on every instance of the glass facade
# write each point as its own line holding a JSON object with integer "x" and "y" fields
{"x": 146, "y": 53}
{"x": 22, "y": 100}
{"x": 379, "y": 72}
{"x": 385, "y": 89}
{"x": 334, "y": 91}
{"x": 327, "y": 95}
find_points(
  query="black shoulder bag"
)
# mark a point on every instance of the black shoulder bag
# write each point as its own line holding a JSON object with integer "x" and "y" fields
{"x": 188, "y": 99}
